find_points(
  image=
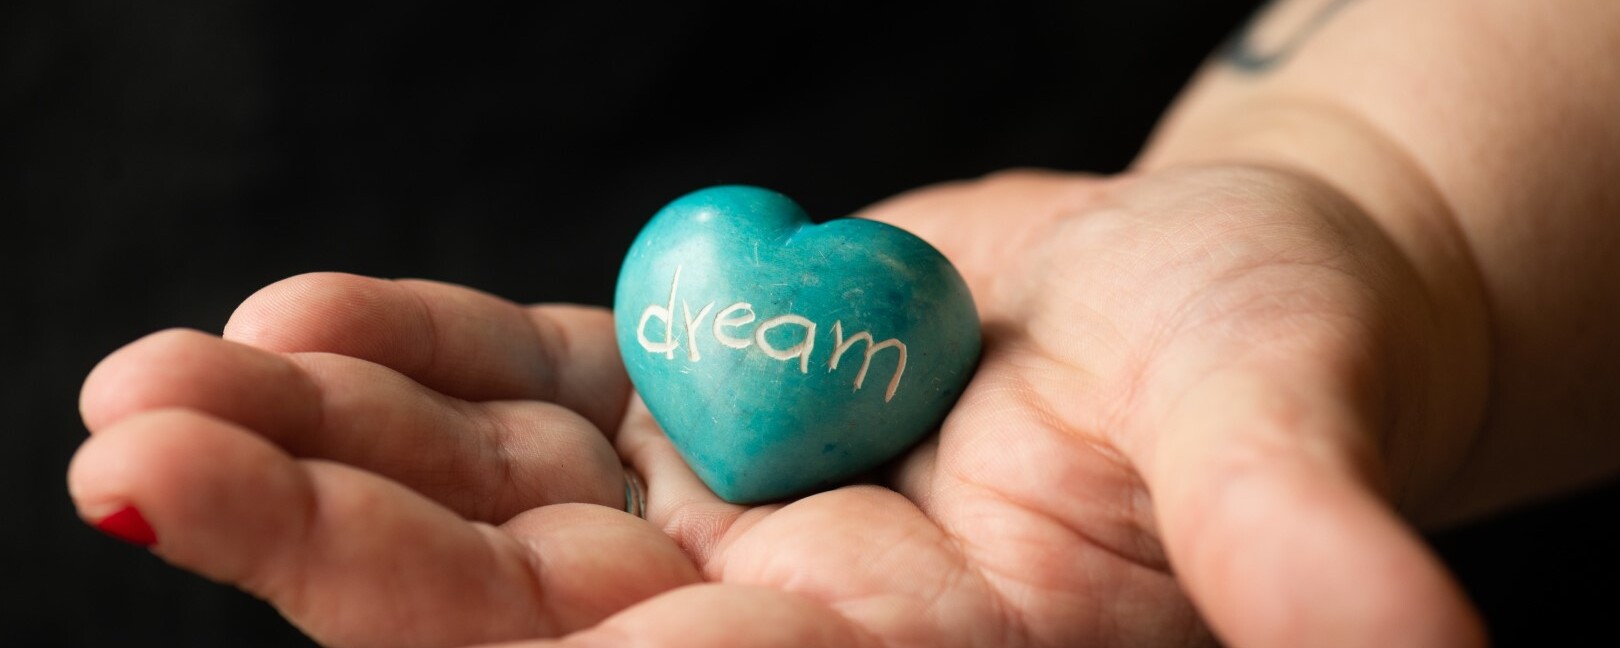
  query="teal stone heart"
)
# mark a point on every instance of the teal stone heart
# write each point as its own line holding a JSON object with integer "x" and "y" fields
{"x": 781, "y": 356}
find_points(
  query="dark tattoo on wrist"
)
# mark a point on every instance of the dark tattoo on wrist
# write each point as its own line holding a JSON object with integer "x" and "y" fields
{"x": 1241, "y": 52}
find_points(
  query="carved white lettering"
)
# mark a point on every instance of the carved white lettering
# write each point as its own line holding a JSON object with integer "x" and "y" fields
{"x": 840, "y": 345}
{"x": 726, "y": 320}
{"x": 801, "y": 350}
{"x": 740, "y": 314}
{"x": 691, "y": 326}
{"x": 666, "y": 313}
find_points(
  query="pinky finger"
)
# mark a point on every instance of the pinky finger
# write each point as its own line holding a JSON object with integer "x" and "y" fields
{"x": 352, "y": 558}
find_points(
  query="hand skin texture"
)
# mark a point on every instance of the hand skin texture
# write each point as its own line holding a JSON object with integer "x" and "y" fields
{"x": 1217, "y": 394}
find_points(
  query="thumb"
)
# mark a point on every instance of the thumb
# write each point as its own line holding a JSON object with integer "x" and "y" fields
{"x": 1272, "y": 522}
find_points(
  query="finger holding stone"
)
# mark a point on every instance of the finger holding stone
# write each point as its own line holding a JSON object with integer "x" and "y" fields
{"x": 677, "y": 501}
{"x": 458, "y": 341}
{"x": 354, "y": 559}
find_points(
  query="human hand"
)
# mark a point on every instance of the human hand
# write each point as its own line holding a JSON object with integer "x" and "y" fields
{"x": 1207, "y": 370}
{"x": 344, "y": 452}
{"x": 1225, "y": 372}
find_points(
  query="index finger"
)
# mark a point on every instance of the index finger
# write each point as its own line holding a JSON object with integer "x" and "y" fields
{"x": 455, "y": 340}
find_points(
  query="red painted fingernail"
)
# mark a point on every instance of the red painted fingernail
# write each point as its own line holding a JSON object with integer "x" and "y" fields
{"x": 128, "y": 525}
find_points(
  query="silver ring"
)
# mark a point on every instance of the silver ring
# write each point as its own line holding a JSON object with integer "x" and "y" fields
{"x": 635, "y": 494}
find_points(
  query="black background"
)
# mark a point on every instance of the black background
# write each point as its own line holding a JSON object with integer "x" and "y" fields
{"x": 160, "y": 161}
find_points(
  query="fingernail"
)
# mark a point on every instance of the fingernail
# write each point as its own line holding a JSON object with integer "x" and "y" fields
{"x": 128, "y": 525}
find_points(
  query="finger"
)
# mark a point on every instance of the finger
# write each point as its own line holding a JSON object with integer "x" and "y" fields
{"x": 182, "y": 368}
{"x": 487, "y": 461}
{"x": 677, "y": 500}
{"x": 951, "y": 217}
{"x": 354, "y": 559}
{"x": 719, "y": 616}
{"x": 1272, "y": 524}
{"x": 455, "y": 340}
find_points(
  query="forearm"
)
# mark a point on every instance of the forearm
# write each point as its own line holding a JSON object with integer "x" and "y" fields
{"x": 1484, "y": 138}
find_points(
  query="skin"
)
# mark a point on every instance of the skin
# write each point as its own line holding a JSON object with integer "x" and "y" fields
{"x": 1217, "y": 394}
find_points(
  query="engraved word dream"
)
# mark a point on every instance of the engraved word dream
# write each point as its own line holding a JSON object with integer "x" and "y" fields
{"x": 728, "y": 329}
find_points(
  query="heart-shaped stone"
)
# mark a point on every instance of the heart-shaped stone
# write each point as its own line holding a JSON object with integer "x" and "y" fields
{"x": 781, "y": 356}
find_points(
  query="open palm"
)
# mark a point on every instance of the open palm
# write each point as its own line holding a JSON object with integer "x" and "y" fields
{"x": 1201, "y": 385}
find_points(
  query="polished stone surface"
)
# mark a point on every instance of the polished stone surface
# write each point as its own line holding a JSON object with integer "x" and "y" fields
{"x": 783, "y": 357}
